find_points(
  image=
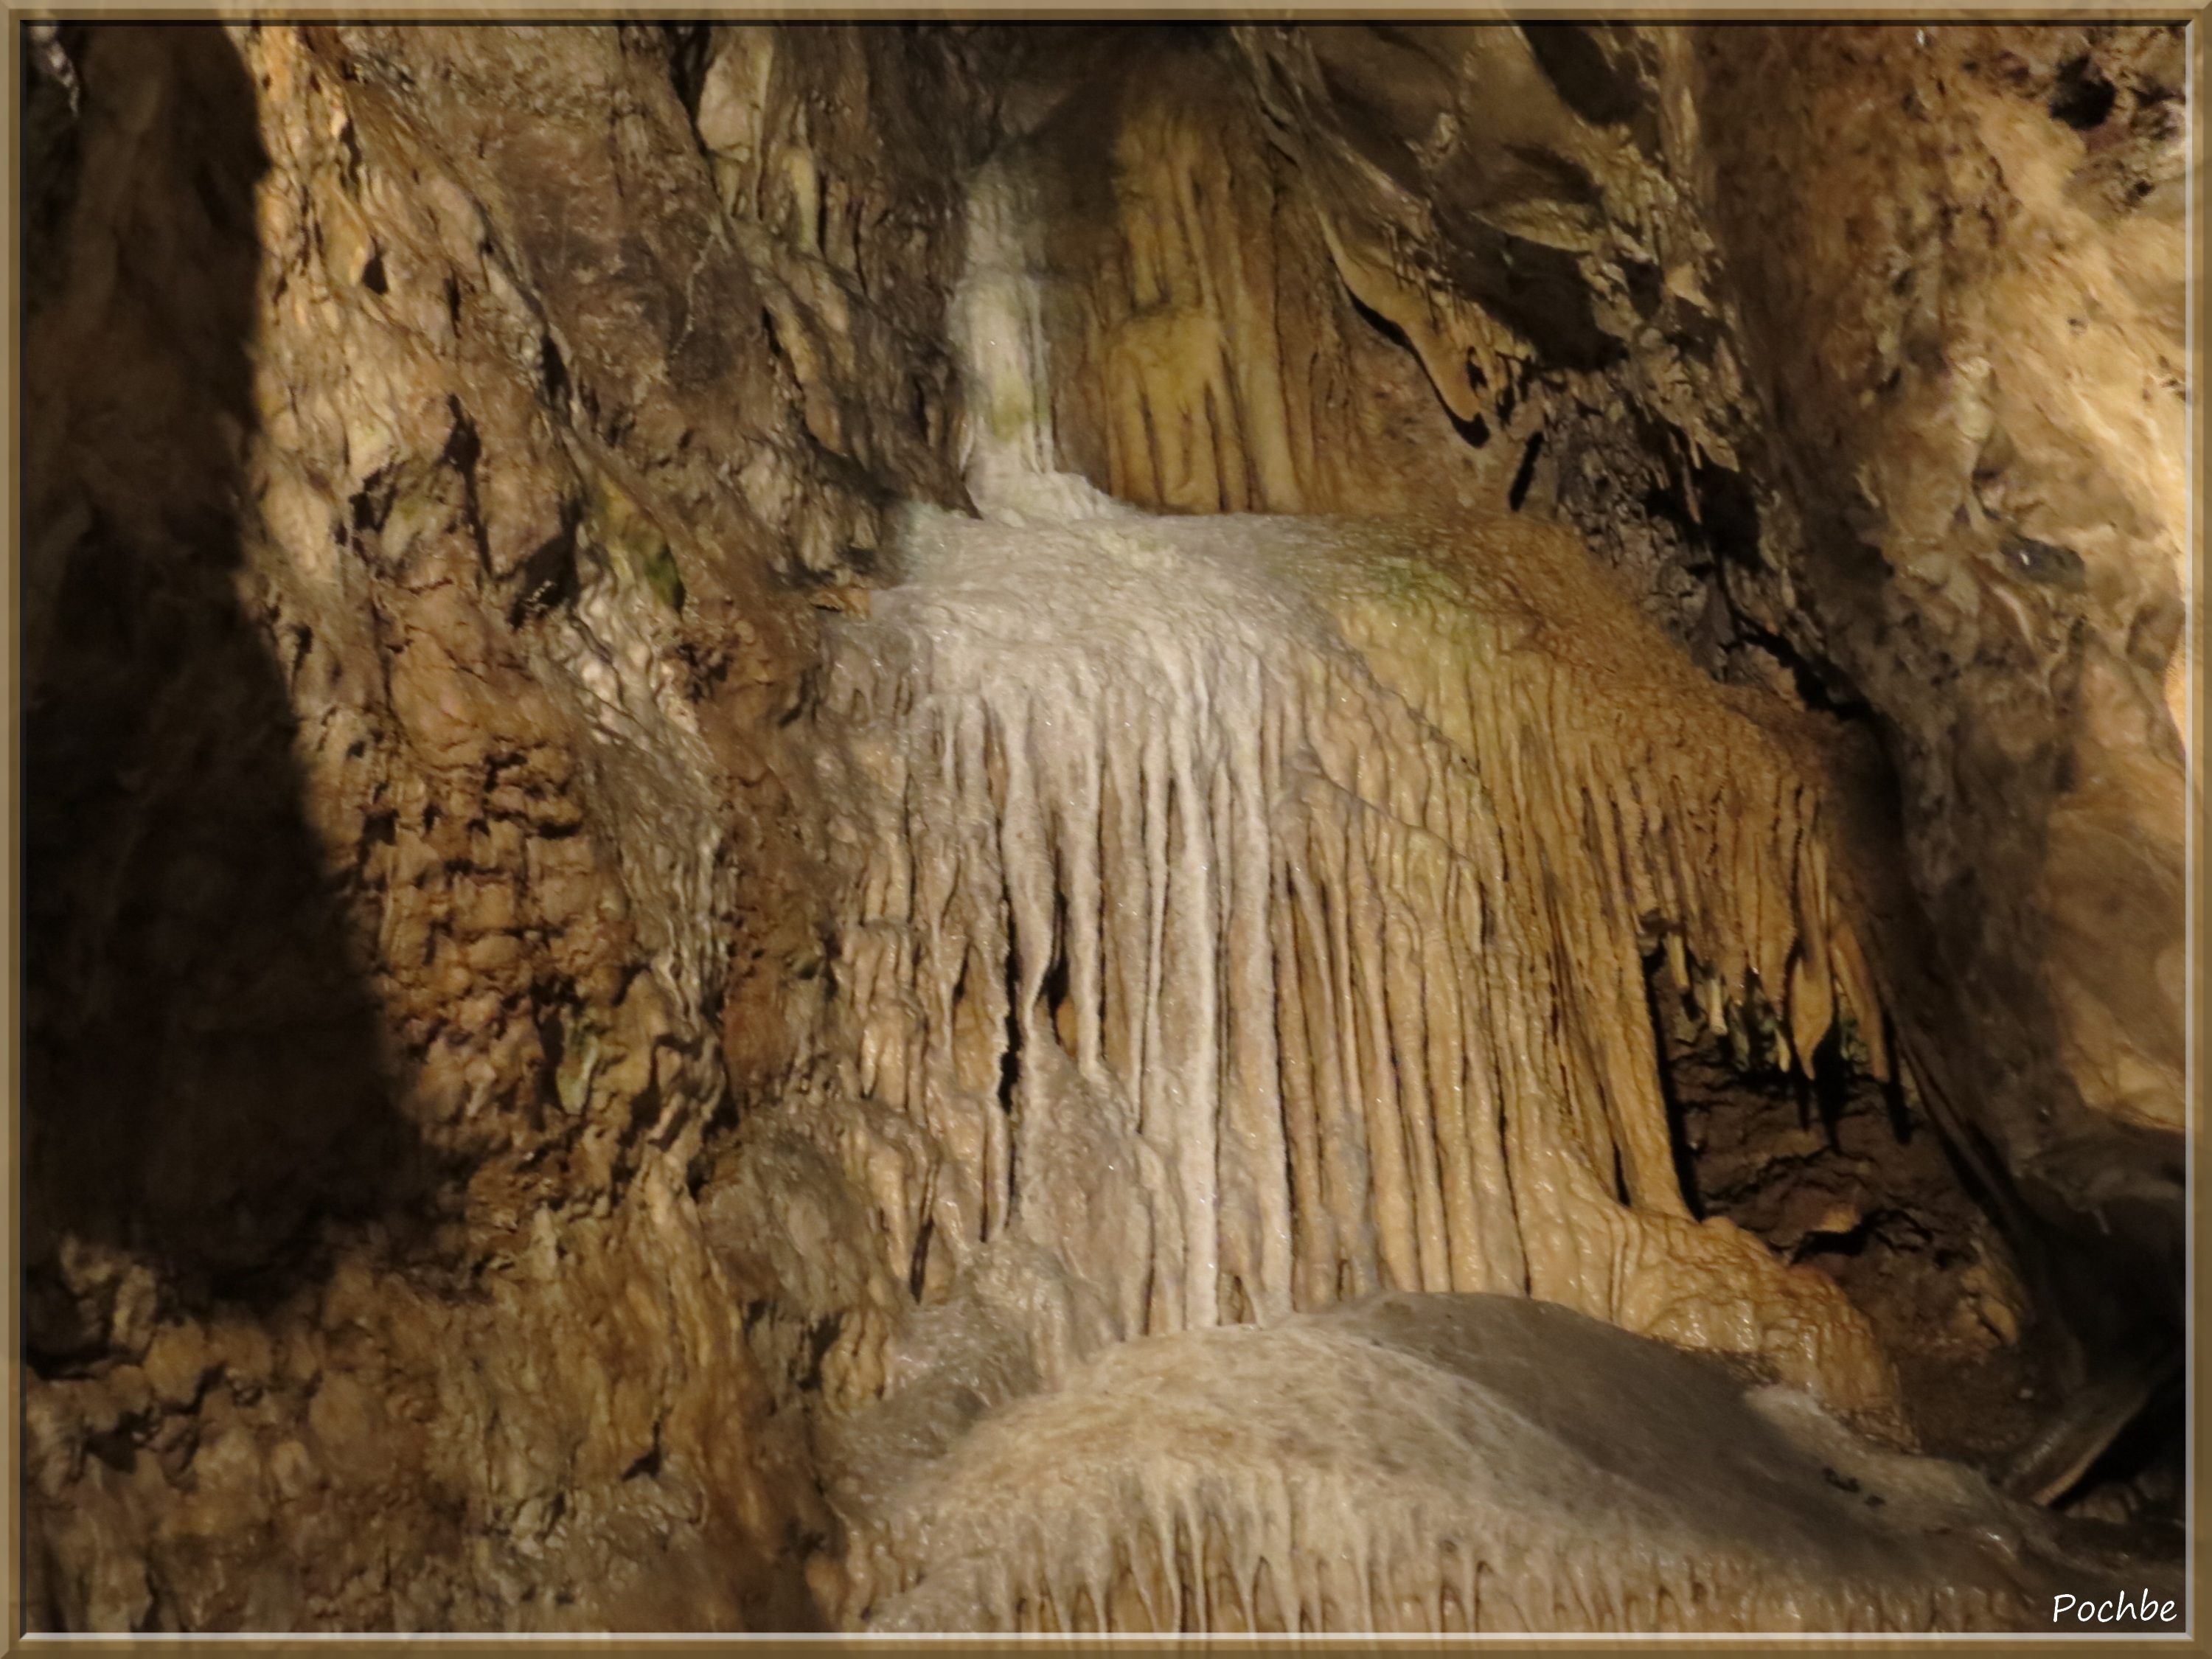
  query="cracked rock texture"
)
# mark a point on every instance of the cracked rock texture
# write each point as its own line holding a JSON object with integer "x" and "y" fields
{"x": 435, "y": 444}
{"x": 1973, "y": 355}
{"x": 495, "y": 1154}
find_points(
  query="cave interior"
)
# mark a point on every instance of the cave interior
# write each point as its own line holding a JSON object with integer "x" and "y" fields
{"x": 1175, "y": 826}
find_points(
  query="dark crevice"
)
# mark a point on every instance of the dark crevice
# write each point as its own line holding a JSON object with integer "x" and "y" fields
{"x": 1831, "y": 1172}
{"x": 464, "y": 450}
{"x": 1729, "y": 506}
{"x": 548, "y": 579}
{"x": 1536, "y": 291}
{"x": 1647, "y": 288}
{"x": 1525, "y": 474}
{"x": 2083, "y": 98}
{"x": 2147, "y": 1462}
{"x": 1057, "y": 1007}
{"x": 821, "y": 1337}
{"x": 1010, "y": 1057}
{"x": 1579, "y": 71}
{"x": 1819, "y": 687}
{"x": 691, "y": 54}
{"x": 647, "y": 1467}
{"x": 1725, "y": 530}
{"x": 1686, "y": 1169}
{"x": 552, "y": 373}
{"x": 917, "y": 1276}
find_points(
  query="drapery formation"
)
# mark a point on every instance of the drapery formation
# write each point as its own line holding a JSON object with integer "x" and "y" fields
{"x": 1256, "y": 910}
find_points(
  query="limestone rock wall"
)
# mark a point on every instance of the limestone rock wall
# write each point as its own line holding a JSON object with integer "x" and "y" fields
{"x": 1960, "y": 256}
{"x": 439, "y": 446}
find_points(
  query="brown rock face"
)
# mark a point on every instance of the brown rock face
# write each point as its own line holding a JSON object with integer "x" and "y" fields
{"x": 1966, "y": 310}
{"x": 511, "y": 1142}
{"x": 428, "y": 478}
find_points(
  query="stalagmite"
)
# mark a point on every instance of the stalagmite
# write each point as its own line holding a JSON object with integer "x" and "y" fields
{"x": 1421, "y": 1463}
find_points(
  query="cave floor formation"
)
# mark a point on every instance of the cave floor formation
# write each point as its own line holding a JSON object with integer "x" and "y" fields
{"x": 1445, "y": 1463}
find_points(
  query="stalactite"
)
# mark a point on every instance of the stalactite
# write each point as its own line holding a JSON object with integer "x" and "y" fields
{"x": 1322, "y": 873}
{"x": 1248, "y": 918}
{"x": 1253, "y": 910}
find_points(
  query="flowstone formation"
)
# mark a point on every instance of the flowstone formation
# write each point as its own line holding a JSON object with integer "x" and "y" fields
{"x": 1445, "y": 1463}
{"x": 1856, "y": 355}
{"x": 1256, "y": 911}
{"x": 1247, "y": 915}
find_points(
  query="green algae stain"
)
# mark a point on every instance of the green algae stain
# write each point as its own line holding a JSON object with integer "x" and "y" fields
{"x": 639, "y": 550}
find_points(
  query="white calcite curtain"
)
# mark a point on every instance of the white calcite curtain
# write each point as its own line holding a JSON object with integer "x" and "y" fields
{"x": 1254, "y": 911}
